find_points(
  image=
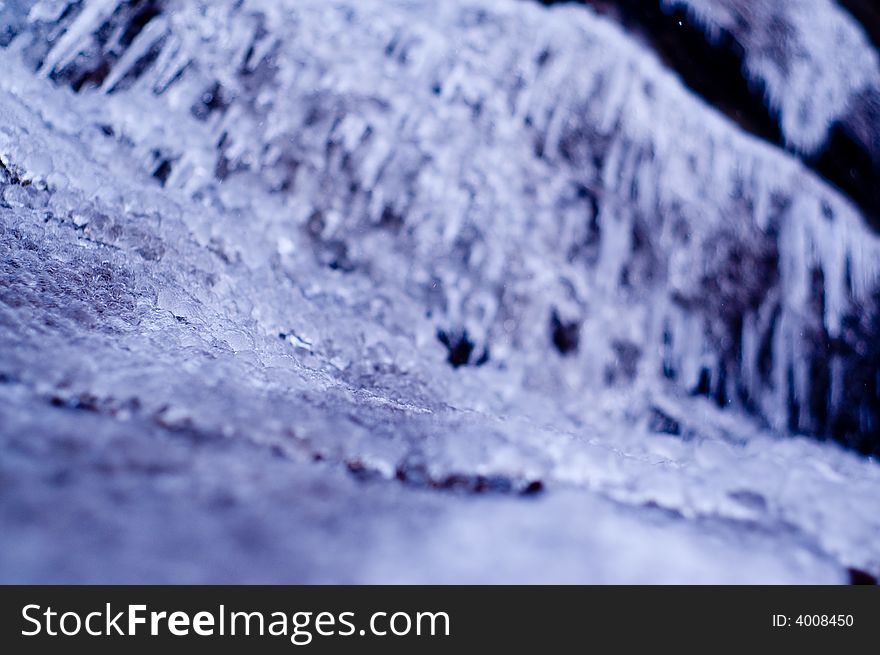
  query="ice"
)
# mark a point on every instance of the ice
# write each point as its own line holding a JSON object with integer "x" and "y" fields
{"x": 814, "y": 60}
{"x": 242, "y": 244}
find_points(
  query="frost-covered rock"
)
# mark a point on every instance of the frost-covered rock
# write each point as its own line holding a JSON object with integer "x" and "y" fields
{"x": 255, "y": 234}
{"x": 815, "y": 61}
{"x": 498, "y": 200}
{"x": 820, "y": 75}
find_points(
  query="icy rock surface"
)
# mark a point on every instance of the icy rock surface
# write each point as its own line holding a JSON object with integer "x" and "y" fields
{"x": 244, "y": 243}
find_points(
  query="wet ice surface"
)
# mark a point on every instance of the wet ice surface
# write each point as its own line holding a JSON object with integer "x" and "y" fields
{"x": 218, "y": 319}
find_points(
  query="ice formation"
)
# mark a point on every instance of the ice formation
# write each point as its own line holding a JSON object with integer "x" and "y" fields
{"x": 276, "y": 273}
{"x": 815, "y": 61}
{"x": 820, "y": 74}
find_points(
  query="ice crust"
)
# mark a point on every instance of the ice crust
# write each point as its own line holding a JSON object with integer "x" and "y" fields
{"x": 228, "y": 244}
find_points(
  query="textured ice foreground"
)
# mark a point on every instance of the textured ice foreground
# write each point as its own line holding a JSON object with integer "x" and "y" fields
{"x": 226, "y": 261}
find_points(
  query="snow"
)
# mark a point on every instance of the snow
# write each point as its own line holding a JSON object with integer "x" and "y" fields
{"x": 233, "y": 373}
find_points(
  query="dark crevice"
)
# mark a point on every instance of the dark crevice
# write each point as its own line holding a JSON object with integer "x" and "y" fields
{"x": 101, "y": 55}
{"x": 704, "y": 383}
{"x": 714, "y": 71}
{"x": 458, "y": 345}
{"x": 9, "y": 175}
{"x": 213, "y": 100}
{"x": 417, "y": 475}
{"x": 461, "y": 348}
{"x": 145, "y": 12}
{"x": 846, "y": 164}
{"x": 139, "y": 67}
{"x": 565, "y": 334}
{"x": 163, "y": 171}
{"x": 856, "y": 422}
{"x": 860, "y": 577}
{"x": 659, "y": 422}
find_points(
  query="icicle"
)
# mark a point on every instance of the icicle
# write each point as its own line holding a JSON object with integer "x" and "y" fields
{"x": 93, "y": 14}
{"x": 151, "y": 35}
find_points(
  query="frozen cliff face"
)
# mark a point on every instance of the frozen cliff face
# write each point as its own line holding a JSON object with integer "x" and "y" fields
{"x": 802, "y": 75}
{"x": 475, "y": 247}
{"x": 815, "y": 61}
{"x": 514, "y": 188}
{"x": 819, "y": 72}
